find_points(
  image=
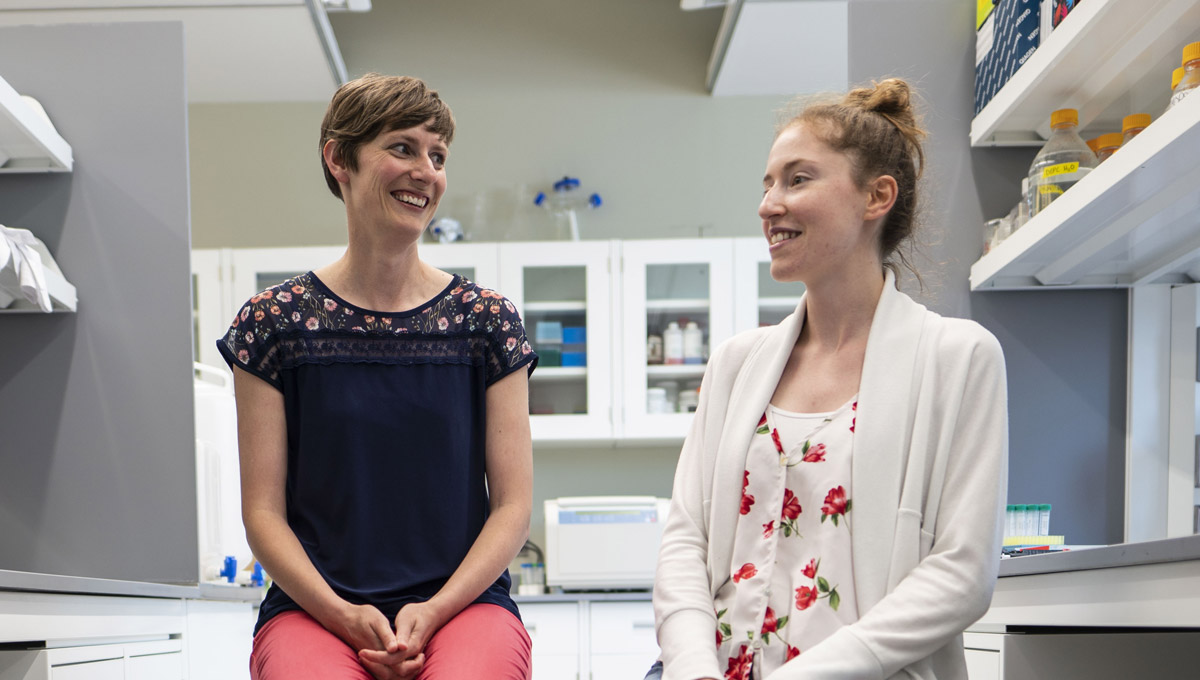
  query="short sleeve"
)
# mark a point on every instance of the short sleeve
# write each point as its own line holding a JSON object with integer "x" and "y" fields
{"x": 508, "y": 347}
{"x": 251, "y": 343}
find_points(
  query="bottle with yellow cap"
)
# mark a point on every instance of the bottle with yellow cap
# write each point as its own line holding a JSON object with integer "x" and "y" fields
{"x": 1191, "y": 74}
{"x": 1133, "y": 124}
{"x": 1107, "y": 145}
{"x": 1063, "y": 161}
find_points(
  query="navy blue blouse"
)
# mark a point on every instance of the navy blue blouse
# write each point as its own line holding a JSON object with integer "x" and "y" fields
{"x": 386, "y": 421}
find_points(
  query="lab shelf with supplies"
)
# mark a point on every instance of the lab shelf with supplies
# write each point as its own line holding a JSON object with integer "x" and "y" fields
{"x": 28, "y": 142}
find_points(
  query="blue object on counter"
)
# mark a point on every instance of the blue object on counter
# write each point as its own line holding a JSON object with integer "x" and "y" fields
{"x": 229, "y": 571}
{"x": 574, "y": 335}
{"x": 256, "y": 576}
{"x": 574, "y": 358}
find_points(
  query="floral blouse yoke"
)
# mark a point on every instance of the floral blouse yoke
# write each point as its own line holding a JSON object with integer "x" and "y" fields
{"x": 792, "y": 583}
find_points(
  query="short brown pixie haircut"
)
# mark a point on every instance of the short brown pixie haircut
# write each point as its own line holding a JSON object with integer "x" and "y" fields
{"x": 374, "y": 104}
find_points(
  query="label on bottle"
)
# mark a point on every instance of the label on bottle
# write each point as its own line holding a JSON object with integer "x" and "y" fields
{"x": 1060, "y": 169}
{"x": 1178, "y": 97}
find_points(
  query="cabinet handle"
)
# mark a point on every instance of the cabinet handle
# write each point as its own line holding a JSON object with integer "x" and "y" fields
{"x": 531, "y": 627}
{"x": 642, "y": 625}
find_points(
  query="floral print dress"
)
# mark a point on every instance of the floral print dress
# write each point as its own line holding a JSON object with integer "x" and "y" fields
{"x": 791, "y": 584}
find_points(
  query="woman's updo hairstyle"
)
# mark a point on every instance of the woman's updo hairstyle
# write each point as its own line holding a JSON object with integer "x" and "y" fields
{"x": 878, "y": 129}
{"x": 365, "y": 107}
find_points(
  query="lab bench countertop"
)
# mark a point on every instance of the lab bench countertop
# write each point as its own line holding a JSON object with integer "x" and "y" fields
{"x": 1168, "y": 550}
{"x": 24, "y": 581}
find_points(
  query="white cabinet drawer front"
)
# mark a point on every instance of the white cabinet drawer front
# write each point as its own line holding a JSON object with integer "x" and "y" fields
{"x": 624, "y": 628}
{"x": 155, "y": 667}
{"x": 983, "y": 664}
{"x": 553, "y": 628}
{"x": 622, "y": 666}
{"x": 113, "y": 669}
{"x": 555, "y": 667}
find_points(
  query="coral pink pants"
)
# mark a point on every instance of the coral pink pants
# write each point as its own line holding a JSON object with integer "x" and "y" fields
{"x": 483, "y": 641}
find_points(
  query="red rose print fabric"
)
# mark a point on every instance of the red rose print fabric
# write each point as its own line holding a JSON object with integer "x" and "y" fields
{"x": 791, "y": 583}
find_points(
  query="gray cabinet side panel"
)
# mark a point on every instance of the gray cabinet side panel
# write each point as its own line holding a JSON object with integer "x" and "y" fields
{"x": 97, "y": 472}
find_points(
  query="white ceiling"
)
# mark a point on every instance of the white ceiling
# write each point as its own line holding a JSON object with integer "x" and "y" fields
{"x": 236, "y": 51}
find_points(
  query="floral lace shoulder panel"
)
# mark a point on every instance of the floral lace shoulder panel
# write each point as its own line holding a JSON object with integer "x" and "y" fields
{"x": 300, "y": 321}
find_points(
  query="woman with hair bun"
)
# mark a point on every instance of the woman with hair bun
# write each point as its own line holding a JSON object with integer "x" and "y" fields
{"x": 837, "y": 503}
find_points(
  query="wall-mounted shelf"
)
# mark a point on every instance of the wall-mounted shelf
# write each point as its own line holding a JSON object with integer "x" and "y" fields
{"x": 28, "y": 143}
{"x": 1102, "y": 52}
{"x": 1133, "y": 220}
{"x": 62, "y": 296}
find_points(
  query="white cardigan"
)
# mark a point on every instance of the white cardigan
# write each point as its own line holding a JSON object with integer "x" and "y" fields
{"x": 929, "y": 476}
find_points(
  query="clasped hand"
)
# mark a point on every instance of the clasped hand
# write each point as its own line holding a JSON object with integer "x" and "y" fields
{"x": 387, "y": 655}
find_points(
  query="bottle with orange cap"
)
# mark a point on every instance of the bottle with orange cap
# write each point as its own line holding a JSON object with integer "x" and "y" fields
{"x": 1191, "y": 74}
{"x": 1107, "y": 145}
{"x": 1063, "y": 161}
{"x": 1133, "y": 124}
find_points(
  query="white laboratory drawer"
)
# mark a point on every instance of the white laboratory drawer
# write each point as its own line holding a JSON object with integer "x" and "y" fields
{"x": 623, "y": 666}
{"x": 624, "y": 628}
{"x": 553, "y": 627}
{"x": 113, "y": 669}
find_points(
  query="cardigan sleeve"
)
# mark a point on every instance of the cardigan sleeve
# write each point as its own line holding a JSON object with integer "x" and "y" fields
{"x": 951, "y": 586}
{"x": 685, "y": 620}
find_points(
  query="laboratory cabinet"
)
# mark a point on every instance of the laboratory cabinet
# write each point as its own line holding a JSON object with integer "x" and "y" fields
{"x": 596, "y": 311}
{"x": 590, "y": 635}
{"x": 57, "y": 635}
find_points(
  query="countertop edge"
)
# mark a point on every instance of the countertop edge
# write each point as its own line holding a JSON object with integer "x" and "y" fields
{"x": 24, "y": 581}
{"x": 1179, "y": 549}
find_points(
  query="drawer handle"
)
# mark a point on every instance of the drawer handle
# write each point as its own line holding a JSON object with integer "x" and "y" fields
{"x": 531, "y": 627}
{"x": 642, "y": 625}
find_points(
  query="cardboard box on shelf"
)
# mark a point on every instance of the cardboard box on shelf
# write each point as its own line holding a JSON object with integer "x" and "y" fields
{"x": 1005, "y": 41}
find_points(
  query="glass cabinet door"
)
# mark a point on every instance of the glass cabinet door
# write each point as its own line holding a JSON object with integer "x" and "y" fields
{"x": 212, "y": 310}
{"x": 563, "y": 291}
{"x": 759, "y": 300}
{"x": 677, "y": 304}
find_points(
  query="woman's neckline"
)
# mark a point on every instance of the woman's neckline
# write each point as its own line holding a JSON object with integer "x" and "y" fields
{"x": 823, "y": 414}
{"x": 455, "y": 280}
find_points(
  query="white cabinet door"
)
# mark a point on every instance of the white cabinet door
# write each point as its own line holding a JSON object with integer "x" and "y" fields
{"x": 218, "y": 639}
{"x": 623, "y": 644}
{"x": 666, "y": 281}
{"x": 155, "y": 667}
{"x": 253, "y": 270}
{"x": 621, "y": 666}
{"x": 758, "y": 299}
{"x": 212, "y": 310}
{"x": 113, "y": 669}
{"x": 564, "y": 291}
{"x": 553, "y": 629}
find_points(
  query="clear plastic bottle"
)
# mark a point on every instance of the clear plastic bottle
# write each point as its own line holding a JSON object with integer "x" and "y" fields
{"x": 673, "y": 344}
{"x": 1133, "y": 124}
{"x": 1191, "y": 74}
{"x": 1107, "y": 145}
{"x": 693, "y": 344}
{"x": 1063, "y": 161}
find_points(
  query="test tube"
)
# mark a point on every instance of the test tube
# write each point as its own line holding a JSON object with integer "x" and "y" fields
{"x": 1010, "y": 514}
{"x": 1044, "y": 519}
{"x": 1019, "y": 520}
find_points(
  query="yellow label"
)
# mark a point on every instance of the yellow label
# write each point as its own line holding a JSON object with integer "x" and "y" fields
{"x": 1060, "y": 169}
{"x": 982, "y": 9}
{"x": 1049, "y": 189}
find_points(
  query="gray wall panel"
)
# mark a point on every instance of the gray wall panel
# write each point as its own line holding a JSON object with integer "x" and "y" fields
{"x": 97, "y": 473}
